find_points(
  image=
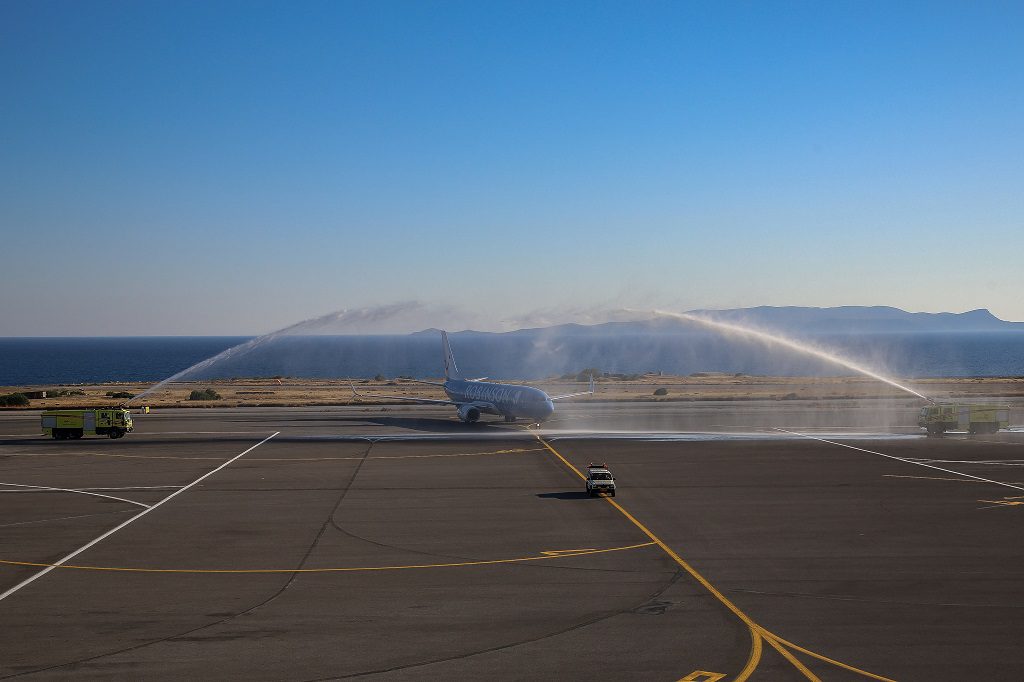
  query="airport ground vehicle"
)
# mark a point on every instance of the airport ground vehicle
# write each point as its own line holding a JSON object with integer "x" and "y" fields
{"x": 600, "y": 480}
{"x": 973, "y": 418}
{"x": 113, "y": 422}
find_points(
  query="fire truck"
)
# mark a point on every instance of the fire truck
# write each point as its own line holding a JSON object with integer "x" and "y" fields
{"x": 973, "y": 418}
{"x": 112, "y": 422}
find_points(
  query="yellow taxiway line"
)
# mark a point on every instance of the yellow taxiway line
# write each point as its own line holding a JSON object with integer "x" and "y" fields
{"x": 757, "y": 633}
{"x": 550, "y": 554}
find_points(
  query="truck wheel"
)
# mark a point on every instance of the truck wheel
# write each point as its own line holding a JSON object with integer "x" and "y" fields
{"x": 613, "y": 493}
{"x": 114, "y": 434}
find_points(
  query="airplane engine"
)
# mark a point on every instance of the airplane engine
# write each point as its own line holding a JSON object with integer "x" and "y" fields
{"x": 469, "y": 414}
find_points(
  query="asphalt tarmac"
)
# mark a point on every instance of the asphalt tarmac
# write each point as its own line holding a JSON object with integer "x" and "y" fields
{"x": 761, "y": 541}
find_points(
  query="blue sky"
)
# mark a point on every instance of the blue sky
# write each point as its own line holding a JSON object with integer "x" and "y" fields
{"x": 232, "y": 167}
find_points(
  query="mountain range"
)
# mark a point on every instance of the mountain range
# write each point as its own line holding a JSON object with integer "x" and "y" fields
{"x": 861, "y": 319}
{"x": 790, "y": 320}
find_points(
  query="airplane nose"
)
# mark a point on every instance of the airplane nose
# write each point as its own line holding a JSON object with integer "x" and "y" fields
{"x": 549, "y": 408}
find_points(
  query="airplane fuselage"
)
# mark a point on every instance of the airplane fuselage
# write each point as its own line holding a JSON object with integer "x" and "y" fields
{"x": 508, "y": 400}
{"x": 474, "y": 397}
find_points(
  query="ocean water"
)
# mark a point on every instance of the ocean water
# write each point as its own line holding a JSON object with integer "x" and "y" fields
{"x": 37, "y": 361}
{"x": 43, "y": 361}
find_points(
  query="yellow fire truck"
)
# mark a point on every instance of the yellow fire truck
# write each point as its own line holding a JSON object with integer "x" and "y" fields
{"x": 942, "y": 417}
{"x": 113, "y": 422}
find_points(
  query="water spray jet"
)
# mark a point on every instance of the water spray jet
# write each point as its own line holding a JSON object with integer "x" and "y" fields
{"x": 406, "y": 316}
{"x": 312, "y": 324}
{"x": 791, "y": 344}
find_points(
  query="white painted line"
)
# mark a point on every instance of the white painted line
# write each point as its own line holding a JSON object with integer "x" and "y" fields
{"x": 987, "y": 462}
{"x": 902, "y": 459}
{"x": 38, "y": 488}
{"x": 137, "y": 487}
{"x": 62, "y": 518}
{"x": 113, "y": 530}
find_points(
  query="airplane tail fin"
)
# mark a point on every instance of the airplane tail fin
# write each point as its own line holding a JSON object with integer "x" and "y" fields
{"x": 451, "y": 370}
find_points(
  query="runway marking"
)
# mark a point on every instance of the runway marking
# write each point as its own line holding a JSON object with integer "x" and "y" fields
{"x": 462, "y": 454}
{"x": 788, "y": 655}
{"x": 905, "y": 460}
{"x": 935, "y": 478}
{"x": 826, "y": 659}
{"x": 702, "y": 676}
{"x": 556, "y": 554}
{"x": 758, "y": 634}
{"x": 62, "y": 518}
{"x": 43, "y": 488}
{"x": 987, "y": 462}
{"x": 1006, "y": 501}
{"x": 113, "y": 530}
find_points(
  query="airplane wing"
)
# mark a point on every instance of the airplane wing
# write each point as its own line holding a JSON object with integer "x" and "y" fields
{"x": 427, "y": 401}
{"x": 590, "y": 391}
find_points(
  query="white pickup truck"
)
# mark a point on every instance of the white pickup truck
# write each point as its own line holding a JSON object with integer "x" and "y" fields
{"x": 600, "y": 480}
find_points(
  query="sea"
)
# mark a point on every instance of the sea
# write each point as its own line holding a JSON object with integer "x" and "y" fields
{"x": 67, "y": 361}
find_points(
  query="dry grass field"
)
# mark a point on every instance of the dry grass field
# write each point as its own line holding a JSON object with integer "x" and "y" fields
{"x": 285, "y": 392}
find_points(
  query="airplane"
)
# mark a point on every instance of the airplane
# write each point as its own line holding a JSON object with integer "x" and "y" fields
{"x": 473, "y": 397}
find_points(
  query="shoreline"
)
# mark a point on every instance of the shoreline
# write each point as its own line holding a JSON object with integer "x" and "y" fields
{"x": 704, "y": 386}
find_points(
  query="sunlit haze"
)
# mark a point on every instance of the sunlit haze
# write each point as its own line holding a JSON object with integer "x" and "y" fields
{"x": 175, "y": 168}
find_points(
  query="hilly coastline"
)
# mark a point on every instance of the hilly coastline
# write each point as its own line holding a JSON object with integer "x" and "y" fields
{"x": 894, "y": 341}
{"x": 793, "y": 321}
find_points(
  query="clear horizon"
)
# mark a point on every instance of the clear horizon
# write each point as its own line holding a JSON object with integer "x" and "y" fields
{"x": 231, "y": 168}
{"x": 409, "y": 318}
